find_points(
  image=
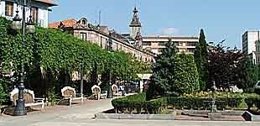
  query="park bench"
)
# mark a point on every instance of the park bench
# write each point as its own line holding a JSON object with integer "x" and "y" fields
{"x": 69, "y": 93}
{"x": 29, "y": 98}
{"x": 103, "y": 95}
{"x": 115, "y": 90}
{"x": 96, "y": 92}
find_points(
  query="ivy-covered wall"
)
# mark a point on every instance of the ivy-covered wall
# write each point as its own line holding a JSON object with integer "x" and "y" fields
{"x": 49, "y": 55}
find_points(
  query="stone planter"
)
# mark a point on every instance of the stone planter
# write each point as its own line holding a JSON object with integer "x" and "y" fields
{"x": 248, "y": 116}
{"x": 135, "y": 116}
{"x": 214, "y": 115}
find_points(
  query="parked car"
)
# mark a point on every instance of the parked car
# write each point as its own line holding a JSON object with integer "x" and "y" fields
{"x": 257, "y": 87}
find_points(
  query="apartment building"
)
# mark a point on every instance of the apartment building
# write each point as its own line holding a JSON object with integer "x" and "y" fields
{"x": 39, "y": 10}
{"x": 249, "y": 39}
{"x": 183, "y": 44}
{"x": 251, "y": 45}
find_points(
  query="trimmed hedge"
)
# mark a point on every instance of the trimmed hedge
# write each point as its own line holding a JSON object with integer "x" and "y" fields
{"x": 252, "y": 100}
{"x": 130, "y": 103}
{"x": 138, "y": 104}
{"x": 257, "y": 90}
{"x": 156, "y": 105}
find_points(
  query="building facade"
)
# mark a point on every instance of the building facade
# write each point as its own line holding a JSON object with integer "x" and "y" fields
{"x": 39, "y": 10}
{"x": 102, "y": 36}
{"x": 251, "y": 45}
{"x": 249, "y": 39}
{"x": 157, "y": 43}
{"x": 143, "y": 48}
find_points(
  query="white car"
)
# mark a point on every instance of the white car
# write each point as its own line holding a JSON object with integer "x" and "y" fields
{"x": 257, "y": 85}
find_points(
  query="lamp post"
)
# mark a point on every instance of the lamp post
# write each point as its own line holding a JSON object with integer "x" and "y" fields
{"x": 110, "y": 92}
{"x": 110, "y": 50}
{"x": 29, "y": 26}
{"x": 81, "y": 81}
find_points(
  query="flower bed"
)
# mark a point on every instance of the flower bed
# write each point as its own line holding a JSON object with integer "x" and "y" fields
{"x": 199, "y": 103}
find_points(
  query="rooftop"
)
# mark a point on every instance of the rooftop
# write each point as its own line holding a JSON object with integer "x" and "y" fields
{"x": 49, "y": 2}
{"x": 66, "y": 23}
{"x": 172, "y": 37}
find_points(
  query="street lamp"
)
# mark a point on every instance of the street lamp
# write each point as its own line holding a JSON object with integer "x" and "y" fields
{"x": 81, "y": 81}
{"x": 29, "y": 26}
{"x": 110, "y": 92}
{"x": 110, "y": 50}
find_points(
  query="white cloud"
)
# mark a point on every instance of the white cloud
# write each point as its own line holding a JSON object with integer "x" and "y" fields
{"x": 170, "y": 31}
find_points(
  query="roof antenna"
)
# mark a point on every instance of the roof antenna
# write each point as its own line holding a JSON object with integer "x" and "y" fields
{"x": 135, "y": 3}
{"x": 99, "y": 17}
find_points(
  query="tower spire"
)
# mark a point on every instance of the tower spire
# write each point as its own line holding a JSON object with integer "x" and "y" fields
{"x": 135, "y": 20}
{"x": 135, "y": 25}
{"x": 135, "y": 10}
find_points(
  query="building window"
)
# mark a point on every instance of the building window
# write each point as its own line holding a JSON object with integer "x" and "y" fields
{"x": 83, "y": 36}
{"x": 258, "y": 59}
{"x": 34, "y": 13}
{"x": 191, "y": 44}
{"x": 176, "y": 43}
{"x": 9, "y": 8}
{"x": 161, "y": 44}
{"x": 181, "y": 43}
{"x": 191, "y": 50}
{"x": 101, "y": 42}
{"x": 120, "y": 48}
{"x": 117, "y": 46}
{"x": 146, "y": 44}
{"x": 109, "y": 44}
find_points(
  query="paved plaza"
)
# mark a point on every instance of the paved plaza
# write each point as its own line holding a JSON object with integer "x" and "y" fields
{"x": 83, "y": 114}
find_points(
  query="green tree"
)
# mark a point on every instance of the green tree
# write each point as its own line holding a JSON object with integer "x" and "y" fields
{"x": 200, "y": 57}
{"x": 163, "y": 78}
{"x": 51, "y": 56}
{"x": 173, "y": 74}
{"x": 249, "y": 75}
{"x": 186, "y": 74}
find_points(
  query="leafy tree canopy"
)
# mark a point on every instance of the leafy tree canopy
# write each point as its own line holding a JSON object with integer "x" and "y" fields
{"x": 173, "y": 74}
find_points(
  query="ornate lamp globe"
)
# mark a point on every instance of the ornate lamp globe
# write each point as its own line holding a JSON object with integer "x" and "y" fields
{"x": 30, "y": 27}
{"x": 16, "y": 24}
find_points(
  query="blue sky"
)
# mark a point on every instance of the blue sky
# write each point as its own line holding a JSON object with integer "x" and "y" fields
{"x": 220, "y": 19}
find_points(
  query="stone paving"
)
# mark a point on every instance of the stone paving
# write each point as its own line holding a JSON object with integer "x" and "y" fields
{"x": 82, "y": 115}
{"x": 75, "y": 113}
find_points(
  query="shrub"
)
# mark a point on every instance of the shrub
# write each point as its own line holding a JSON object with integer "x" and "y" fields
{"x": 130, "y": 103}
{"x": 251, "y": 100}
{"x": 257, "y": 90}
{"x": 138, "y": 102}
{"x": 51, "y": 96}
{"x": 156, "y": 105}
{"x": 202, "y": 102}
{"x": 2, "y": 92}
